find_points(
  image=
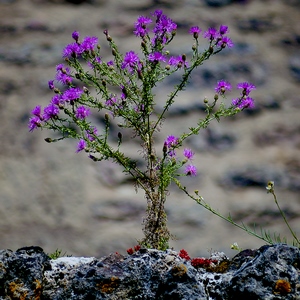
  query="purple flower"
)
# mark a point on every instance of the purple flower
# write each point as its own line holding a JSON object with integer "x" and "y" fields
{"x": 130, "y": 62}
{"x": 111, "y": 101}
{"x": 56, "y": 99}
{"x": 188, "y": 153}
{"x": 158, "y": 13}
{"x": 63, "y": 75}
{"x": 89, "y": 43}
{"x": 164, "y": 25}
{"x": 51, "y": 84}
{"x": 223, "y": 29}
{"x": 141, "y": 26}
{"x": 195, "y": 30}
{"x": 75, "y": 36}
{"x": 244, "y": 102}
{"x": 50, "y": 111}
{"x": 225, "y": 42}
{"x": 96, "y": 60}
{"x": 222, "y": 86}
{"x": 246, "y": 87}
{"x": 37, "y": 111}
{"x": 211, "y": 34}
{"x": 171, "y": 141}
{"x": 163, "y": 29}
{"x": 72, "y": 50}
{"x": 110, "y": 63}
{"x": 190, "y": 170}
{"x": 156, "y": 57}
{"x": 34, "y": 123}
{"x": 72, "y": 94}
{"x": 81, "y": 145}
{"x": 82, "y": 112}
{"x": 91, "y": 133}
{"x": 177, "y": 61}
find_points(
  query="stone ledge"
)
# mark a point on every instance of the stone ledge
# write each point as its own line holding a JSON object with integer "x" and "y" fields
{"x": 271, "y": 272}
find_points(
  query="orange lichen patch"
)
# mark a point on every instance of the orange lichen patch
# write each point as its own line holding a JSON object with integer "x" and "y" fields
{"x": 16, "y": 291}
{"x": 109, "y": 287}
{"x": 179, "y": 270}
{"x": 37, "y": 290}
{"x": 282, "y": 287}
{"x": 221, "y": 267}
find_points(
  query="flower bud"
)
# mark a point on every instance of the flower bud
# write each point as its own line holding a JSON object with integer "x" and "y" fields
{"x": 165, "y": 148}
{"x": 120, "y": 136}
{"x": 48, "y": 140}
{"x": 106, "y": 116}
{"x": 86, "y": 90}
{"x": 183, "y": 57}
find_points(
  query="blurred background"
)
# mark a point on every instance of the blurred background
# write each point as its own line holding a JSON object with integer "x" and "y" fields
{"x": 55, "y": 198}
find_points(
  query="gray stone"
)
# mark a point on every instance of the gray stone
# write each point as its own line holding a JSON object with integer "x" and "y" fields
{"x": 270, "y": 272}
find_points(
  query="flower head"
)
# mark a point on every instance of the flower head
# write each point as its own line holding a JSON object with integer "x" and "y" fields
{"x": 246, "y": 87}
{"x": 211, "y": 34}
{"x": 225, "y": 41}
{"x": 81, "y": 145}
{"x": 82, "y": 112}
{"x": 163, "y": 29}
{"x": 91, "y": 133}
{"x": 195, "y": 31}
{"x": 131, "y": 61}
{"x": 34, "y": 123}
{"x": 223, "y": 29}
{"x": 190, "y": 170}
{"x": 222, "y": 86}
{"x": 63, "y": 74}
{"x": 177, "y": 61}
{"x": 156, "y": 57}
{"x": 89, "y": 43}
{"x": 188, "y": 153}
{"x": 141, "y": 26}
{"x": 243, "y": 102}
{"x": 50, "y": 111}
{"x": 75, "y": 35}
{"x": 171, "y": 141}
{"x": 51, "y": 84}
{"x": 72, "y": 94}
{"x": 72, "y": 50}
{"x": 37, "y": 111}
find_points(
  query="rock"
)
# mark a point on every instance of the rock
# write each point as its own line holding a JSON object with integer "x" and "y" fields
{"x": 217, "y": 3}
{"x": 270, "y": 272}
{"x": 294, "y": 66}
{"x": 21, "y": 273}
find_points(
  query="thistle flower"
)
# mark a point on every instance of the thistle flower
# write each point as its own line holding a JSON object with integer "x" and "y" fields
{"x": 190, "y": 170}
{"x": 222, "y": 86}
{"x": 81, "y": 145}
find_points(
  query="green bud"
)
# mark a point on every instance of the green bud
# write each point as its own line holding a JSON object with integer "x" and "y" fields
{"x": 48, "y": 140}
{"x": 120, "y": 136}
